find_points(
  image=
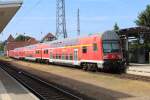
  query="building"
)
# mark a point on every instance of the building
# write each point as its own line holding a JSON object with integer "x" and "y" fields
{"x": 7, "y": 10}
{"x": 136, "y": 44}
{"x": 11, "y": 43}
{"x": 49, "y": 37}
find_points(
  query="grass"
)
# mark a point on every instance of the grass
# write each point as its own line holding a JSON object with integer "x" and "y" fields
{"x": 109, "y": 82}
{"x": 4, "y": 58}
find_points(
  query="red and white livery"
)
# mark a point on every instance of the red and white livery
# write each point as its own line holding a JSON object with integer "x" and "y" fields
{"x": 99, "y": 51}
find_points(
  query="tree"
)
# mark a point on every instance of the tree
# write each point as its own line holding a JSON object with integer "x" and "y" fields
{"x": 116, "y": 27}
{"x": 1, "y": 46}
{"x": 144, "y": 17}
{"x": 22, "y": 38}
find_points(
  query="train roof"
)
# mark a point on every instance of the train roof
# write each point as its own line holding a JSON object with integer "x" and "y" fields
{"x": 108, "y": 35}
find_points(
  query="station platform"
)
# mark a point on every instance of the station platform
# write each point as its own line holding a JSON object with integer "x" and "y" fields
{"x": 10, "y": 89}
{"x": 139, "y": 69}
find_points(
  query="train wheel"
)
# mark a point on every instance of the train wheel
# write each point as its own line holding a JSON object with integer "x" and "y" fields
{"x": 89, "y": 67}
{"x": 84, "y": 66}
{"x": 47, "y": 61}
{"x": 94, "y": 68}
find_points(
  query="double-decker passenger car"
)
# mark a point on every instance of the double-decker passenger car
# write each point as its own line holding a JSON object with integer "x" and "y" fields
{"x": 99, "y": 51}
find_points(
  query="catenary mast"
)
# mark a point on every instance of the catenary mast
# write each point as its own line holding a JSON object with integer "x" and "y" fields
{"x": 78, "y": 22}
{"x": 61, "y": 31}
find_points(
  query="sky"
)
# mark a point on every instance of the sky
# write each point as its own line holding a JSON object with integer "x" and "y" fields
{"x": 38, "y": 17}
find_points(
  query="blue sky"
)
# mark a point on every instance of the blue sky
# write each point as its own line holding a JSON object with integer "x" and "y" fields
{"x": 36, "y": 16}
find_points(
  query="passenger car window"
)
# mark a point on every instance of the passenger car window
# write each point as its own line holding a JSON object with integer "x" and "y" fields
{"x": 37, "y": 52}
{"x": 95, "y": 47}
{"x": 45, "y": 51}
{"x": 67, "y": 57}
{"x": 63, "y": 56}
{"x": 71, "y": 57}
{"x": 84, "y": 49}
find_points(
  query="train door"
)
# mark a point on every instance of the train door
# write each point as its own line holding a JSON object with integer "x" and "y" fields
{"x": 75, "y": 56}
{"x": 51, "y": 56}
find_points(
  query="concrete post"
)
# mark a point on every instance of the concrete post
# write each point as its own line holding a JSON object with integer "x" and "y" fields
{"x": 127, "y": 50}
{"x": 149, "y": 57}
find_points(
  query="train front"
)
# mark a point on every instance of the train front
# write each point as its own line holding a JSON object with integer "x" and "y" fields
{"x": 112, "y": 53}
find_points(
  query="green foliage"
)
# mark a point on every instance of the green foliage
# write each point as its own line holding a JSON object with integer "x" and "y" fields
{"x": 144, "y": 17}
{"x": 1, "y": 47}
{"x": 135, "y": 46}
{"x": 22, "y": 38}
{"x": 116, "y": 27}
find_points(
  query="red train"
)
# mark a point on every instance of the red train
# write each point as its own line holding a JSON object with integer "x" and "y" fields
{"x": 99, "y": 51}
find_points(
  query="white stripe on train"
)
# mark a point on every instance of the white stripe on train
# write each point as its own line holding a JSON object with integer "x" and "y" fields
{"x": 73, "y": 62}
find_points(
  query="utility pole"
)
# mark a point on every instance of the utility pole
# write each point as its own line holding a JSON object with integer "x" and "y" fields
{"x": 78, "y": 22}
{"x": 60, "y": 19}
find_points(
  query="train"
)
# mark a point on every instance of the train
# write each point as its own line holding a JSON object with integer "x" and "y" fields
{"x": 92, "y": 53}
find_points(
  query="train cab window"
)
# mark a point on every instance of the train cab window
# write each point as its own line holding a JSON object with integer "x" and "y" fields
{"x": 111, "y": 46}
{"x": 84, "y": 49}
{"x": 95, "y": 47}
{"x": 45, "y": 51}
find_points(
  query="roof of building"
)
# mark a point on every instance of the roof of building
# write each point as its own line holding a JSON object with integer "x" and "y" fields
{"x": 135, "y": 31}
{"x": 7, "y": 11}
{"x": 10, "y": 39}
{"x": 12, "y": 43}
{"x": 49, "y": 35}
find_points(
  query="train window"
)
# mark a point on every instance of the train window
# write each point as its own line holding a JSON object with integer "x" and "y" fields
{"x": 71, "y": 57}
{"x": 111, "y": 46}
{"x": 51, "y": 55}
{"x": 45, "y": 51}
{"x": 84, "y": 49}
{"x": 63, "y": 56}
{"x": 59, "y": 56}
{"x": 95, "y": 47}
{"x": 37, "y": 52}
{"x": 54, "y": 57}
{"x": 67, "y": 58}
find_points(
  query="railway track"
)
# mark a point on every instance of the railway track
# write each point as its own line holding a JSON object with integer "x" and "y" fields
{"x": 134, "y": 77}
{"x": 121, "y": 76}
{"x": 127, "y": 76}
{"x": 42, "y": 89}
{"x": 60, "y": 93}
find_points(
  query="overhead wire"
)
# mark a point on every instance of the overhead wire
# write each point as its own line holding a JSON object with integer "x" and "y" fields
{"x": 29, "y": 11}
{"x": 19, "y": 20}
